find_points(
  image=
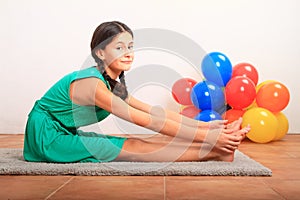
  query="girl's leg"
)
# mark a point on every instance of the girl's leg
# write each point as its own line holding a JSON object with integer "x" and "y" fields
{"x": 135, "y": 149}
{"x": 147, "y": 150}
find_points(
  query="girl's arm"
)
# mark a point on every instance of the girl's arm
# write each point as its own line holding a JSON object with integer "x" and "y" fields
{"x": 92, "y": 91}
{"x": 156, "y": 110}
{"x": 143, "y": 116}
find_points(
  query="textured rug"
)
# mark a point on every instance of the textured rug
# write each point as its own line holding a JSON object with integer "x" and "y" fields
{"x": 12, "y": 163}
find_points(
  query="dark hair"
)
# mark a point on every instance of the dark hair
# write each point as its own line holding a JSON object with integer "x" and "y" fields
{"x": 102, "y": 36}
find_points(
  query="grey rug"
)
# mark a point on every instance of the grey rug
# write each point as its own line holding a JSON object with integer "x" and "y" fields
{"x": 12, "y": 163}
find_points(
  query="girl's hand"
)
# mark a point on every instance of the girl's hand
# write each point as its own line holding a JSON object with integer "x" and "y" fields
{"x": 228, "y": 143}
{"x": 225, "y": 142}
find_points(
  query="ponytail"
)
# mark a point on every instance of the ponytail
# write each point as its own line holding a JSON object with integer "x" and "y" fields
{"x": 118, "y": 88}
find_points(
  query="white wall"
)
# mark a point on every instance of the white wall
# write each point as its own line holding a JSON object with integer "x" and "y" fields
{"x": 43, "y": 40}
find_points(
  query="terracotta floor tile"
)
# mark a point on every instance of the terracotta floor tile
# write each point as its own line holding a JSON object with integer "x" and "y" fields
{"x": 29, "y": 187}
{"x": 12, "y": 141}
{"x": 294, "y": 154}
{"x": 286, "y": 173}
{"x": 282, "y": 157}
{"x": 214, "y": 178}
{"x": 220, "y": 189}
{"x": 290, "y": 189}
{"x": 112, "y": 188}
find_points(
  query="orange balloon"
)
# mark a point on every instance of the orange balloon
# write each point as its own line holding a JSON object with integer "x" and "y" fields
{"x": 254, "y": 104}
{"x": 263, "y": 83}
{"x": 283, "y": 126}
{"x": 273, "y": 96}
{"x": 232, "y": 115}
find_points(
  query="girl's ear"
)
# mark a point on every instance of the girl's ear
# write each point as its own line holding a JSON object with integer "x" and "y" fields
{"x": 100, "y": 54}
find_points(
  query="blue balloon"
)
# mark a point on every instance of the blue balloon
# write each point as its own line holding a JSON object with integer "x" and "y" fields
{"x": 208, "y": 115}
{"x": 216, "y": 67}
{"x": 207, "y": 95}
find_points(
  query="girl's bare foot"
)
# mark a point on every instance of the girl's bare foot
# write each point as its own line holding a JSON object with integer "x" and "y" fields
{"x": 229, "y": 157}
{"x": 242, "y": 132}
{"x": 226, "y": 157}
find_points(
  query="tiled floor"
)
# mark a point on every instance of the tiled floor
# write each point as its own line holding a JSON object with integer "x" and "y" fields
{"x": 283, "y": 157}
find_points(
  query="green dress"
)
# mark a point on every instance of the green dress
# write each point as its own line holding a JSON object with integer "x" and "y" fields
{"x": 52, "y": 133}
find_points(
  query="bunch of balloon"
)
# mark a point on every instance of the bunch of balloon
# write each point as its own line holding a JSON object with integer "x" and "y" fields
{"x": 181, "y": 92}
{"x": 268, "y": 123}
{"x": 232, "y": 92}
{"x": 208, "y": 95}
{"x": 259, "y": 105}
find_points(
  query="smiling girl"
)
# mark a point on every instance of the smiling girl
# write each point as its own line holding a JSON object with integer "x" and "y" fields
{"x": 88, "y": 96}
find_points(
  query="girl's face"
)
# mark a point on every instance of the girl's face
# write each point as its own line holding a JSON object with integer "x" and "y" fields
{"x": 118, "y": 54}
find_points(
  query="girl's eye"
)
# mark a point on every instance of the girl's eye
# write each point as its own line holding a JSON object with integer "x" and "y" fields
{"x": 119, "y": 48}
{"x": 130, "y": 47}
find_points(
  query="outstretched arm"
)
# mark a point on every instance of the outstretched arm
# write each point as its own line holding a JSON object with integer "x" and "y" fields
{"x": 92, "y": 91}
{"x": 169, "y": 114}
{"x": 144, "y": 116}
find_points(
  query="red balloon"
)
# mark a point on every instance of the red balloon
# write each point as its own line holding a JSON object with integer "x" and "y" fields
{"x": 240, "y": 92}
{"x": 233, "y": 114}
{"x": 181, "y": 90}
{"x": 273, "y": 96}
{"x": 190, "y": 111}
{"x": 246, "y": 70}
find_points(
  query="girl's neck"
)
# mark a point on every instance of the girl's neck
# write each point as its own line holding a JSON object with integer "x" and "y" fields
{"x": 114, "y": 74}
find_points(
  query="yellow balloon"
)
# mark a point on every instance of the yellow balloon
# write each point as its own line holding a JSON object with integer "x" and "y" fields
{"x": 283, "y": 126}
{"x": 263, "y": 125}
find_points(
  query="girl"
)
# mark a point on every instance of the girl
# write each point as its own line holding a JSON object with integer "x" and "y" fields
{"x": 88, "y": 96}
